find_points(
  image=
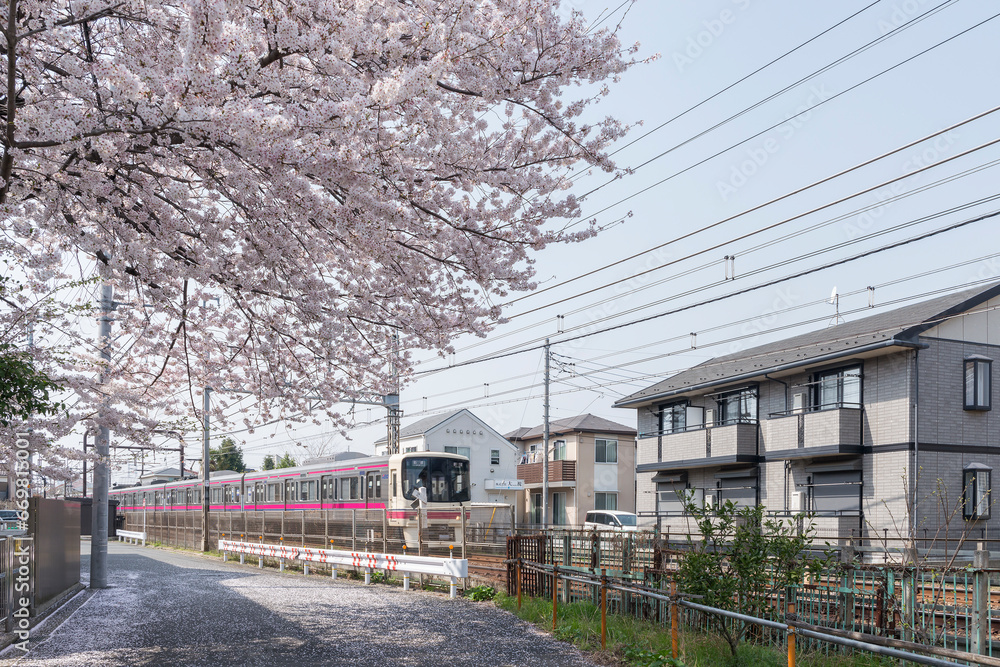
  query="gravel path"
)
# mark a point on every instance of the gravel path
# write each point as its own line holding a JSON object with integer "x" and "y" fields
{"x": 169, "y": 608}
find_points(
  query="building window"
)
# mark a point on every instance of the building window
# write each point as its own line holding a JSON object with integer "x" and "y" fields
{"x": 605, "y": 501}
{"x": 461, "y": 451}
{"x": 976, "y": 491}
{"x": 407, "y": 450}
{"x": 494, "y": 457}
{"x": 738, "y": 407}
{"x": 559, "y": 509}
{"x": 836, "y": 492}
{"x": 536, "y": 508}
{"x": 837, "y": 388}
{"x": 605, "y": 451}
{"x": 673, "y": 417}
{"x": 558, "y": 450}
{"x": 978, "y": 383}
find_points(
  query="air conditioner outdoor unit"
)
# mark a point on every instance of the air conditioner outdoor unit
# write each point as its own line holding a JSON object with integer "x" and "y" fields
{"x": 798, "y": 503}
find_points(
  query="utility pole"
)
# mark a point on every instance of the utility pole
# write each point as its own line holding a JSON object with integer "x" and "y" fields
{"x": 391, "y": 401}
{"x": 545, "y": 439}
{"x": 99, "y": 527}
{"x": 207, "y": 404}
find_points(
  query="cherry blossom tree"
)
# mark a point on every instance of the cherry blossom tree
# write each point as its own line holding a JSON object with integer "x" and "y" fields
{"x": 274, "y": 189}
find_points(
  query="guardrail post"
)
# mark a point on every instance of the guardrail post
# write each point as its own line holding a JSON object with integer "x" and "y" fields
{"x": 260, "y": 558}
{"x": 281, "y": 543}
{"x": 790, "y": 616}
{"x": 354, "y": 530}
{"x": 453, "y": 590}
{"x": 224, "y": 553}
{"x": 242, "y": 554}
{"x": 385, "y": 531}
{"x": 675, "y": 649}
{"x": 555, "y": 594}
{"x": 981, "y": 602}
{"x": 604, "y": 608}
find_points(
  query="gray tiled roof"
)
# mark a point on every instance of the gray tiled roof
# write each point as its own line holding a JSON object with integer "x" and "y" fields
{"x": 901, "y": 326}
{"x": 587, "y": 423}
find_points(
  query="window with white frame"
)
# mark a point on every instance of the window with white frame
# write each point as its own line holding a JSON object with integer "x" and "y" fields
{"x": 605, "y": 451}
{"x": 461, "y": 451}
{"x": 494, "y": 457}
{"x": 558, "y": 450}
{"x": 978, "y": 383}
{"x": 559, "y": 509}
{"x": 605, "y": 501}
{"x": 976, "y": 491}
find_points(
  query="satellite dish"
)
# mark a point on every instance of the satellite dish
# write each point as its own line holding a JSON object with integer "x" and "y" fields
{"x": 833, "y": 295}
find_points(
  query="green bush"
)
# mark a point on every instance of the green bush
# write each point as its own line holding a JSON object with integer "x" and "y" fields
{"x": 481, "y": 593}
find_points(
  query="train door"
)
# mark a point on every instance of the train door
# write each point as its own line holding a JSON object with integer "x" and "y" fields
{"x": 326, "y": 487}
{"x": 373, "y": 489}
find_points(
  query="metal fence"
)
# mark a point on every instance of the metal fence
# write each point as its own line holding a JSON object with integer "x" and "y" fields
{"x": 950, "y": 607}
{"x": 483, "y": 532}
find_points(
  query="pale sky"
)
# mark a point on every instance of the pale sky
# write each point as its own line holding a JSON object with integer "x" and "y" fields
{"x": 718, "y": 173}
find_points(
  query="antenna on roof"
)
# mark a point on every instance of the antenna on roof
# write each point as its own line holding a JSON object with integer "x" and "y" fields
{"x": 835, "y": 301}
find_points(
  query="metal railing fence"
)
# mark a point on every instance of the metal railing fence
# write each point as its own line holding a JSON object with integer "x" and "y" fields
{"x": 784, "y": 627}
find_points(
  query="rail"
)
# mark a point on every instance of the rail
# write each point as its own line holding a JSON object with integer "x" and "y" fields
{"x": 791, "y": 626}
{"x": 448, "y": 568}
{"x": 135, "y": 536}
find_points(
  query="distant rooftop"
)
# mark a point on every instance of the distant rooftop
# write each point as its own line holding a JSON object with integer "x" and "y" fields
{"x": 587, "y": 423}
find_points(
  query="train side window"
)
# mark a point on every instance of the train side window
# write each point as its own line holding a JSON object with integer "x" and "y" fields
{"x": 395, "y": 484}
{"x": 378, "y": 486}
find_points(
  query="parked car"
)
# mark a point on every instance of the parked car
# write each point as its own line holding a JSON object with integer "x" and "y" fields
{"x": 10, "y": 519}
{"x": 611, "y": 520}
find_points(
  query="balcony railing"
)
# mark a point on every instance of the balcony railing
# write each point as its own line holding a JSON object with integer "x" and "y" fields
{"x": 735, "y": 441}
{"x": 835, "y": 431}
{"x": 559, "y": 471}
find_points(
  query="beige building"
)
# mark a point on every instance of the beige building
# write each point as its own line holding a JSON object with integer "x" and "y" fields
{"x": 591, "y": 466}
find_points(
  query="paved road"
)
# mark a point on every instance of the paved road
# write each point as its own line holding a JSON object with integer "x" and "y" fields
{"x": 169, "y": 608}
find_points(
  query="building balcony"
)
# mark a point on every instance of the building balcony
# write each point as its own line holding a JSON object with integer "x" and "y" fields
{"x": 812, "y": 433}
{"x": 701, "y": 447}
{"x": 562, "y": 473}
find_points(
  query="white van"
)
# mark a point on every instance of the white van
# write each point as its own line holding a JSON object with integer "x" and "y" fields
{"x": 611, "y": 520}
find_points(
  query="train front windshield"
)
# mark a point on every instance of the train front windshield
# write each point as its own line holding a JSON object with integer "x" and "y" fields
{"x": 446, "y": 480}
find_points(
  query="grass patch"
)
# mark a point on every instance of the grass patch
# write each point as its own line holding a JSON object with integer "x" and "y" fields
{"x": 637, "y": 643}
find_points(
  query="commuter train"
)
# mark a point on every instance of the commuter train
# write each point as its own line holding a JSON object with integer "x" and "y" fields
{"x": 359, "y": 482}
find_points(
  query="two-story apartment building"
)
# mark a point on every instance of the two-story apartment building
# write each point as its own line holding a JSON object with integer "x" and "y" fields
{"x": 591, "y": 466}
{"x": 882, "y": 426}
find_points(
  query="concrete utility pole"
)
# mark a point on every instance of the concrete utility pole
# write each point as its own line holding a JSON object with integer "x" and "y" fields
{"x": 545, "y": 440}
{"x": 99, "y": 527}
{"x": 206, "y": 405}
